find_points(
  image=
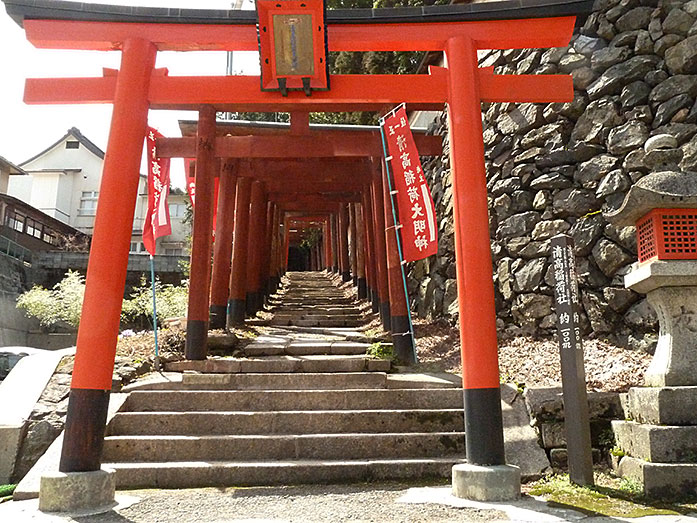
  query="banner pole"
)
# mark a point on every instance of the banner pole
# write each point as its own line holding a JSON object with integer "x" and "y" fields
{"x": 399, "y": 242}
{"x": 154, "y": 312}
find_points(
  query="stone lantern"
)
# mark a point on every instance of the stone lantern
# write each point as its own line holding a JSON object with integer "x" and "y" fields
{"x": 659, "y": 439}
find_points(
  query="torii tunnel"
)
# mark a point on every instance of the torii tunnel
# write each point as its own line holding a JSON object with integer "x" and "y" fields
{"x": 281, "y": 177}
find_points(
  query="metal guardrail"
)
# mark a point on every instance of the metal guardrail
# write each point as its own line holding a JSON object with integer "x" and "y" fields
{"x": 15, "y": 250}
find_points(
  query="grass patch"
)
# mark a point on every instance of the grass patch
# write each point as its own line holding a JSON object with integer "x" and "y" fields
{"x": 382, "y": 351}
{"x": 610, "y": 496}
{"x": 6, "y": 492}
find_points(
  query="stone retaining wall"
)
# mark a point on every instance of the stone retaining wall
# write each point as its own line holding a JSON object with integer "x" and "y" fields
{"x": 554, "y": 168}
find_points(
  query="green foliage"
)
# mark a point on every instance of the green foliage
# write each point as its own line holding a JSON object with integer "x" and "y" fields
{"x": 617, "y": 451}
{"x": 7, "y": 490}
{"x": 311, "y": 238}
{"x": 171, "y": 301}
{"x": 381, "y": 351}
{"x": 62, "y": 304}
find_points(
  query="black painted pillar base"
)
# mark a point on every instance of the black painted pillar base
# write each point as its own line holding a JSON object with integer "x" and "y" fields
{"x": 84, "y": 430}
{"x": 385, "y": 316}
{"x": 236, "y": 310}
{"x": 355, "y": 280}
{"x": 402, "y": 340}
{"x": 253, "y": 303}
{"x": 484, "y": 427}
{"x": 375, "y": 300}
{"x": 217, "y": 316}
{"x": 196, "y": 347}
{"x": 346, "y": 276}
{"x": 335, "y": 269}
{"x": 362, "y": 289}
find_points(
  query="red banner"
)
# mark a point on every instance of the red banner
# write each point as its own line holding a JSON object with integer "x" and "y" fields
{"x": 157, "y": 218}
{"x": 417, "y": 214}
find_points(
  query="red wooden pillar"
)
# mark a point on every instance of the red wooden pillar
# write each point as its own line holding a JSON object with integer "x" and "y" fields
{"x": 222, "y": 248}
{"x": 238, "y": 272}
{"x": 371, "y": 269}
{"x": 334, "y": 223}
{"x": 475, "y": 289}
{"x": 286, "y": 243}
{"x": 402, "y": 338}
{"x": 268, "y": 249}
{"x": 352, "y": 242}
{"x": 108, "y": 261}
{"x": 327, "y": 243}
{"x": 255, "y": 246}
{"x": 276, "y": 276}
{"x": 360, "y": 252}
{"x": 200, "y": 268}
{"x": 344, "y": 261}
{"x": 381, "y": 250}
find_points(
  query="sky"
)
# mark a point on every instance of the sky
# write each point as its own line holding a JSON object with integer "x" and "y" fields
{"x": 26, "y": 130}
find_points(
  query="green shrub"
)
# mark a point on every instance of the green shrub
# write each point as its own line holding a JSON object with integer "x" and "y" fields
{"x": 63, "y": 303}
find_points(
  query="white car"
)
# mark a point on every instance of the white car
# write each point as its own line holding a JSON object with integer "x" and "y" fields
{"x": 9, "y": 356}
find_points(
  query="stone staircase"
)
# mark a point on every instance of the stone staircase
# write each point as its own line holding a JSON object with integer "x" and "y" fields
{"x": 296, "y": 407}
{"x": 311, "y": 299}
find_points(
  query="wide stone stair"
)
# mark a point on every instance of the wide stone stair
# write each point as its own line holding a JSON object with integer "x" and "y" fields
{"x": 294, "y": 407}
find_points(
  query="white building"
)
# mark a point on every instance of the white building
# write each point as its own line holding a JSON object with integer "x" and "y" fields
{"x": 63, "y": 181}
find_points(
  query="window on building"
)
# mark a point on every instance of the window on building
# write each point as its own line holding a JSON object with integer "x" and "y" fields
{"x": 34, "y": 228}
{"x": 15, "y": 221}
{"x": 177, "y": 210}
{"x": 72, "y": 144}
{"x": 137, "y": 248}
{"x": 49, "y": 237}
{"x": 174, "y": 252}
{"x": 88, "y": 203}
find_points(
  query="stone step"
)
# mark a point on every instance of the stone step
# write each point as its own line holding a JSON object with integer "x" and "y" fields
{"x": 660, "y": 480}
{"x": 254, "y": 400}
{"x": 283, "y": 364}
{"x": 285, "y": 447}
{"x": 663, "y": 405}
{"x": 226, "y": 473}
{"x": 304, "y": 348}
{"x": 325, "y": 322}
{"x": 285, "y": 381}
{"x": 316, "y": 311}
{"x": 657, "y": 443}
{"x": 286, "y": 422}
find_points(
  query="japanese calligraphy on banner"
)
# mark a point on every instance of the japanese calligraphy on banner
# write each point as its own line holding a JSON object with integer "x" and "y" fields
{"x": 190, "y": 181}
{"x": 566, "y": 297}
{"x": 416, "y": 210}
{"x": 157, "y": 217}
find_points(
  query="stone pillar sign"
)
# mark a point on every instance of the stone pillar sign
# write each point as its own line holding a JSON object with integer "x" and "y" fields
{"x": 567, "y": 306}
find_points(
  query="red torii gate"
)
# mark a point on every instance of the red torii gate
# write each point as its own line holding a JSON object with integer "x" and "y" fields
{"x": 138, "y": 86}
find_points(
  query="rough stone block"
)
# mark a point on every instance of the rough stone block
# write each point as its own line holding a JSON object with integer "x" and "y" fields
{"x": 660, "y": 480}
{"x": 10, "y": 440}
{"x": 72, "y": 491}
{"x": 545, "y": 404}
{"x": 559, "y": 458}
{"x": 657, "y": 443}
{"x": 663, "y": 405}
{"x": 486, "y": 483}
